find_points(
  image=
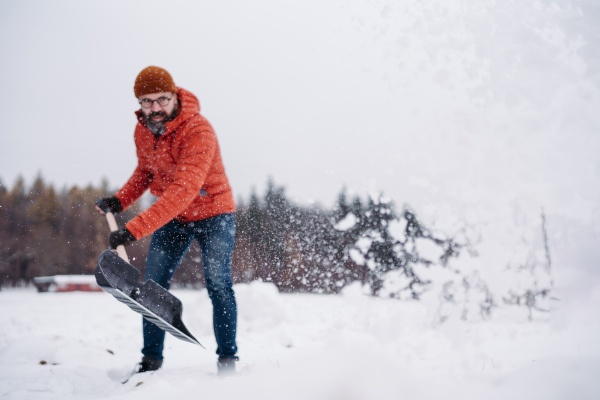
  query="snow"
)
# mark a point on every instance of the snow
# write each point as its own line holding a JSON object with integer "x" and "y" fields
{"x": 363, "y": 244}
{"x": 299, "y": 346}
{"x": 397, "y": 229}
{"x": 357, "y": 256}
{"x": 347, "y": 222}
{"x": 428, "y": 249}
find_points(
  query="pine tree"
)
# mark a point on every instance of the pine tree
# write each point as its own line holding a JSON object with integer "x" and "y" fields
{"x": 18, "y": 255}
{"x": 381, "y": 255}
{"x": 347, "y": 223}
{"x": 44, "y": 215}
{"x": 276, "y": 222}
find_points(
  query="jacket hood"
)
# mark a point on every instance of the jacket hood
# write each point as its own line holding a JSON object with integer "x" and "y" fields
{"x": 189, "y": 106}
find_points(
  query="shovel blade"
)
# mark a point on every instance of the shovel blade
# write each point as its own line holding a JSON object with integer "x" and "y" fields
{"x": 155, "y": 303}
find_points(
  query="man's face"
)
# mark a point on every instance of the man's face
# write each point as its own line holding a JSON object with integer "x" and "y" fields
{"x": 158, "y": 108}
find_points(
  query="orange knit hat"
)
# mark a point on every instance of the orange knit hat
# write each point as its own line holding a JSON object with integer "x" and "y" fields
{"x": 153, "y": 80}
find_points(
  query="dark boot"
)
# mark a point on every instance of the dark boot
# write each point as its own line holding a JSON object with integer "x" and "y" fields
{"x": 226, "y": 365}
{"x": 149, "y": 364}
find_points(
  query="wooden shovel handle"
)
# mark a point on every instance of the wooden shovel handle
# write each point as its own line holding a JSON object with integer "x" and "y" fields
{"x": 112, "y": 224}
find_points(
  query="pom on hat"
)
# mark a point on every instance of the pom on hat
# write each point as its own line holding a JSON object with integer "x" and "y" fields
{"x": 153, "y": 80}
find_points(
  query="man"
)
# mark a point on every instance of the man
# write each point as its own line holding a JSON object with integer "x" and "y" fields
{"x": 180, "y": 162}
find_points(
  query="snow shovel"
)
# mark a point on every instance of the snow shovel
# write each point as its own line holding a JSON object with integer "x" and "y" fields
{"x": 116, "y": 276}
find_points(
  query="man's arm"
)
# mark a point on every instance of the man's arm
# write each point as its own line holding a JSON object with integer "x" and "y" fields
{"x": 134, "y": 188}
{"x": 131, "y": 191}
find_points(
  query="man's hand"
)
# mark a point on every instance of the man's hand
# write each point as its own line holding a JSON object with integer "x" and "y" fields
{"x": 120, "y": 237}
{"x": 109, "y": 204}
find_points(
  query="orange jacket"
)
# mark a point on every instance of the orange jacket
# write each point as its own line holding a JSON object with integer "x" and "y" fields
{"x": 177, "y": 167}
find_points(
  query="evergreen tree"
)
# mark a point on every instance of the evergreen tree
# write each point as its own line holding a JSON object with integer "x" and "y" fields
{"x": 276, "y": 223}
{"x": 380, "y": 256}
{"x": 18, "y": 254}
{"x": 44, "y": 215}
{"x": 347, "y": 220}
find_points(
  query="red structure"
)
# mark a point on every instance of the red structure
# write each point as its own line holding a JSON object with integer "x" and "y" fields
{"x": 66, "y": 283}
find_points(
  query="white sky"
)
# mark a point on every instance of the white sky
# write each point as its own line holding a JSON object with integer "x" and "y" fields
{"x": 440, "y": 104}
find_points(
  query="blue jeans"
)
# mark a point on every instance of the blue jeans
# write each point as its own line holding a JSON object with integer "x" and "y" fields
{"x": 216, "y": 237}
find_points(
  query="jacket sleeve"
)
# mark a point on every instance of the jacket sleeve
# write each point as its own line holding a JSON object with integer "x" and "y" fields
{"x": 197, "y": 150}
{"x": 134, "y": 188}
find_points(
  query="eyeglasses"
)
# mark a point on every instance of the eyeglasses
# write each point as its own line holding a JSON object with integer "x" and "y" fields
{"x": 162, "y": 101}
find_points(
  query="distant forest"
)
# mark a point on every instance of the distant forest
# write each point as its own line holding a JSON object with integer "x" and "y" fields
{"x": 45, "y": 231}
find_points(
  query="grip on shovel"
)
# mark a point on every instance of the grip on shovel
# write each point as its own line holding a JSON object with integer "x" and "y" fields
{"x": 112, "y": 224}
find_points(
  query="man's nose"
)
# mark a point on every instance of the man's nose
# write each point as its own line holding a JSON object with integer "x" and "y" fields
{"x": 155, "y": 106}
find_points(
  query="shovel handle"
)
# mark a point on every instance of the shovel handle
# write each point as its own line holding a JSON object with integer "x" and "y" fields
{"x": 112, "y": 224}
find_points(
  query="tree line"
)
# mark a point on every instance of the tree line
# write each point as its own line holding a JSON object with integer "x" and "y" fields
{"x": 48, "y": 232}
{"x": 299, "y": 248}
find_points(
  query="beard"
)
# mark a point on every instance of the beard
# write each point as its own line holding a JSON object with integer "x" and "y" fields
{"x": 158, "y": 127}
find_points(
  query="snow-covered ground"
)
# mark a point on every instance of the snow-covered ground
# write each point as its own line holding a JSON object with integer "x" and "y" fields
{"x": 299, "y": 346}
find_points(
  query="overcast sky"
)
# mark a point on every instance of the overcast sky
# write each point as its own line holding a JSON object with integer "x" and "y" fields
{"x": 437, "y": 103}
